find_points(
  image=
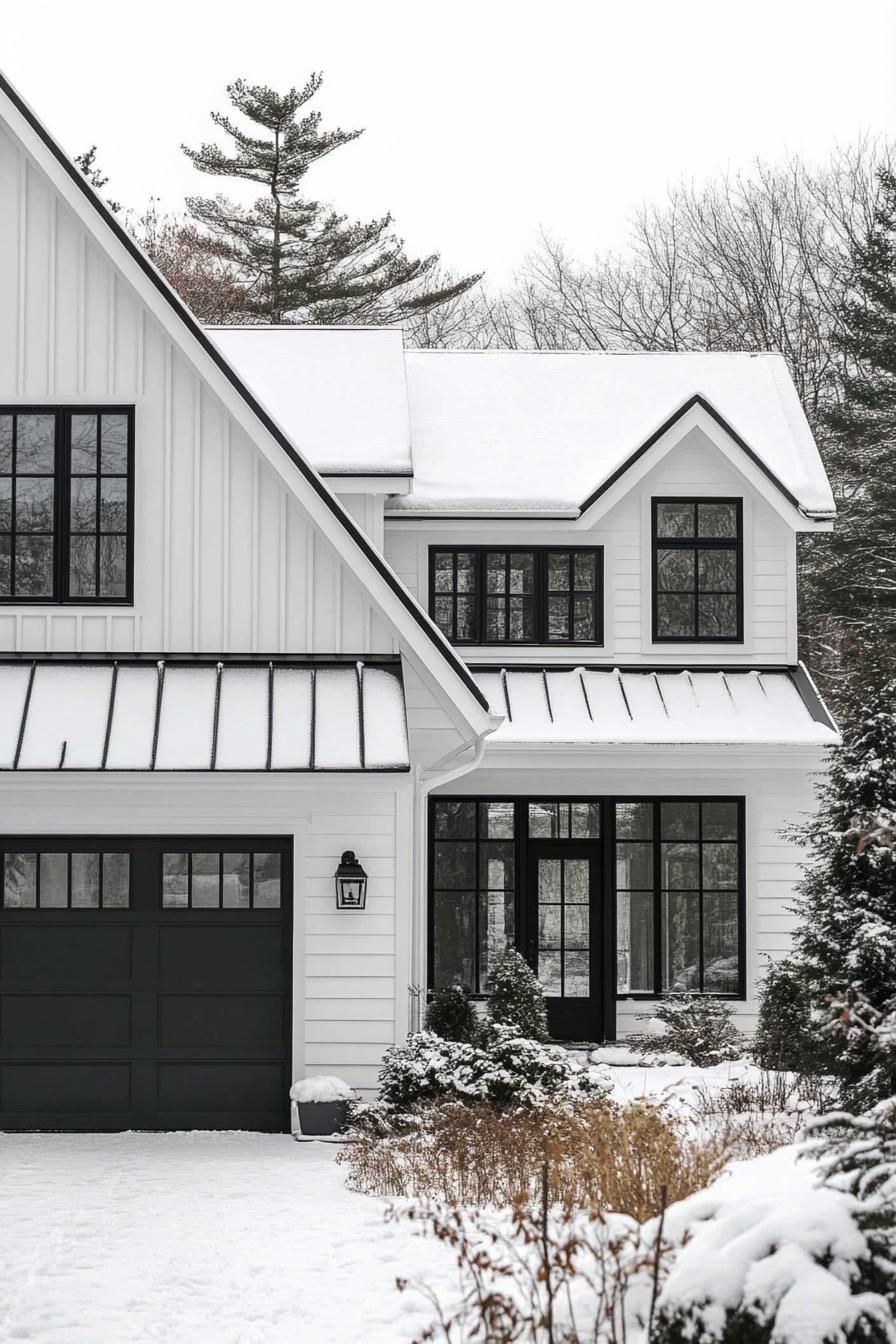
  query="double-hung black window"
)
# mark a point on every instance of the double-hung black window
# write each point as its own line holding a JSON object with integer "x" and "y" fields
{"x": 697, "y": 570}
{"x": 66, "y": 504}
{"x": 545, "y": 595}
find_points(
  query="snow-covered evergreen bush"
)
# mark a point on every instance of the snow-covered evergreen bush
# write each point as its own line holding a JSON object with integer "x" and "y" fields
{"x": 845, "y": 942}
{"x": 784, "y": 1037}
{"x": 698, "y": 1027}
{"x": 451, "y": 1015}
{"x": 507, "y": 1070}
{"x": 517, "y": 998}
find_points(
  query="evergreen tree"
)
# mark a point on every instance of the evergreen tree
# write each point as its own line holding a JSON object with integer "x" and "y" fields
{"x": 299, "y": 260}
{"x": 94, "y": 174}
{"x": 517, "y": 999}
{"x": 845, "y": 945}
{"x": 854, "y": 570}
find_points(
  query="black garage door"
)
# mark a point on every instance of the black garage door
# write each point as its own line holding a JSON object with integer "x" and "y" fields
{"x": 145, "y": 984}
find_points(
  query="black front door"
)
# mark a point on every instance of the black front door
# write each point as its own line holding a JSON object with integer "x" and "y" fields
{"x": 145, "y": 982}
{"x": 564, "y": 934}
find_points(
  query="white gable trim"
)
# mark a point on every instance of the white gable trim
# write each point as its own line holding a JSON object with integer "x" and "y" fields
{"x": 698, "y": 414}
{"x": 410, "y": 622}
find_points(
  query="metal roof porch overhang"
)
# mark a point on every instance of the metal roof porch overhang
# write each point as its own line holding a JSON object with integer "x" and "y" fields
{"x": 177, "y": 714}
{"x": 598, "y": 707}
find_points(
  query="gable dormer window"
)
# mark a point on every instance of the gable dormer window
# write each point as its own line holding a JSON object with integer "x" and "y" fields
{"x": 532, "y": 595}
{"x": 66, "y": 504}
{"x": 697, "y": 571}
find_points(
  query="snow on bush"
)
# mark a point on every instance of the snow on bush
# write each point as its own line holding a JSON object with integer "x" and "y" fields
{"x": 696, "y": 1026}
{"x": 321, "y": 1087}
{"x": 505, "y": 1068}
{"x": 768, "y": 1256}
{"x": 516, "y": 996}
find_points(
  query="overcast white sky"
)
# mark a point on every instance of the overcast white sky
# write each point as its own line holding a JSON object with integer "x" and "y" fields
{"x": 485, "y": 119}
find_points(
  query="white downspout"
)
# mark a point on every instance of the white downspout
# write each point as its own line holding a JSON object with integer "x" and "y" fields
{"x": 425, "y": 780}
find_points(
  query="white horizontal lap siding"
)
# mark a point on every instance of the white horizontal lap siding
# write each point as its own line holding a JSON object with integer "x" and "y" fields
{"x": 351, "y": 959}
{"x": 225, "y": 559}
{"x": 345, "y": 964}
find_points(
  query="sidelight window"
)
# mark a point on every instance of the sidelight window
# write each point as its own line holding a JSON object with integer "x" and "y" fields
{"x": 473, "y": 889}
{"x": 679, "y": 886}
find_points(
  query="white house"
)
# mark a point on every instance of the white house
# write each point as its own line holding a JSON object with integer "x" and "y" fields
{"x": 518, "y": 629}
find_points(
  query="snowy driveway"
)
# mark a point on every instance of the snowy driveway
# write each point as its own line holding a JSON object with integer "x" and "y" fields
{"x": 188, "y": 1238}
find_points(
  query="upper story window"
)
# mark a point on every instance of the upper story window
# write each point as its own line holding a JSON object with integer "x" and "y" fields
{"x": 540, "y": 595}
{"x": 66, "y": 505}
{"x": 697, "y": 570}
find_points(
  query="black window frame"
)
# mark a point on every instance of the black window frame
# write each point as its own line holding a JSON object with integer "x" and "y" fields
{"x": 539, "y": 597}
{"x": 62, "y": 530}
{"x": 67, "y": 847}
{"x": 523, "y": 856}
{"x": 696, "y": 543}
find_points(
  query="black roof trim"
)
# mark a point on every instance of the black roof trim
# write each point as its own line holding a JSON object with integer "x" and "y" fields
{"x": 400, "y": 473}
{"x": 196, "y": 330}
{"x": 696, "y": 400}
{"x": 810, "y": 697}
{"x": 210, "y": 659}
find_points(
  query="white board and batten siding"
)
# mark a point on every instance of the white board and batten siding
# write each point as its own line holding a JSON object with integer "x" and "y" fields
{"x": 694, "y": 468}
{"x": 225, "y": 557}
{"x": 350, "y": 970}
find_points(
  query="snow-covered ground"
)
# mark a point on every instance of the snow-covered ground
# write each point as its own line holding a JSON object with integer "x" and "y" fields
{"x": 188, "y": 1238}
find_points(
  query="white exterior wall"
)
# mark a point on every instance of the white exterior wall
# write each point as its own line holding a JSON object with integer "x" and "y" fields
{"x": 350, "y": 970}
{"x": 778, "y": 793}
{"x": 695, "y": 467}
{"x": 225, "y": 558}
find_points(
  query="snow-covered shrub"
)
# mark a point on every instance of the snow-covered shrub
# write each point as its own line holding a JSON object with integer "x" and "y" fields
{"x": 505, "y": 1069}
{"x": 785, "y": 1038}
{"x": 766, "y": 1255}
{"x": 698, "y": 1027}
{"x": 517, "y": 998}
{"x": 321, "y": 1087}
{"x": 451, "y": 1015}
{"x": 593, "y": 1155}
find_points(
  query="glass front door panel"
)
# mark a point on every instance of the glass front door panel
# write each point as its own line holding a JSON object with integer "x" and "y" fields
{"x": 564, "y": 927}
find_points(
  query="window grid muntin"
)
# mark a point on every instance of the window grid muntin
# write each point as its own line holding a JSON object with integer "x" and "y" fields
{"x": 58, "y": 596}
{"x": 189, "y": 854}
{"x": 80, "y": 850}
{"x": 695, "y": 544}
{"x": 14, "y": 475}
{"x": 539, "y": 598}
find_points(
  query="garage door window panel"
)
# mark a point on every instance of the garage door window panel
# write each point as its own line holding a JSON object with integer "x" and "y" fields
{"x": 66, "y": 880}
{"x": 221, "y": 880}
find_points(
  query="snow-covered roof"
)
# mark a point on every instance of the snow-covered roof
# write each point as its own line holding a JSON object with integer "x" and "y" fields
{"x": 142, "y": 715}
{"x": 511, "y": 430}
{"x": 605, "y": 706}
{"x": 543, "y": 430}
{"x": 338, "y": 392}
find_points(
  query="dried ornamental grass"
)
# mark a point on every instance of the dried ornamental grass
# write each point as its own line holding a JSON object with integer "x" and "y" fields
{"x": 598, "y": 1156}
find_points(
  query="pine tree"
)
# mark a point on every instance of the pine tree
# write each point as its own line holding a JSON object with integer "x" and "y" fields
{"x": 94, "y": 174}
{"x": 845, "y": 944}
{"x": 854, "y": 570}
{"x": 517, "y": 999}
{"x": 298, "y": 259}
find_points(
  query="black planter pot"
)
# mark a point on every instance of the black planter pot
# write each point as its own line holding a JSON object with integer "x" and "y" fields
{"x": 322, "y": 1117}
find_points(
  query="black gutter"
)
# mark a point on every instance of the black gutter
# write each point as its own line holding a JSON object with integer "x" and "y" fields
{"x": 183, "y": 313}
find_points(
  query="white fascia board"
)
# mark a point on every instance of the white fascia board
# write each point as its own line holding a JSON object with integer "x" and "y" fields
{"x": 331, "y": 519}
{"x": 373, "y": 483}
{"x": 695, "y": 759}
{"x": 697, "y": 418}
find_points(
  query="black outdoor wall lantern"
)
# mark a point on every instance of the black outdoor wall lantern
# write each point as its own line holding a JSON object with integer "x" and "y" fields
{"x": 351, "y": 883}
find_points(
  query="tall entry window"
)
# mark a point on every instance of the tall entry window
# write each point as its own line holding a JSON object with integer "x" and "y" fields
{"x": 66, "y": 505}
{"x": 697, "y": 570}
{"x": 544, "y": 595}
{"x": 474, "y": 889}
{"x": 679, "y": 885}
